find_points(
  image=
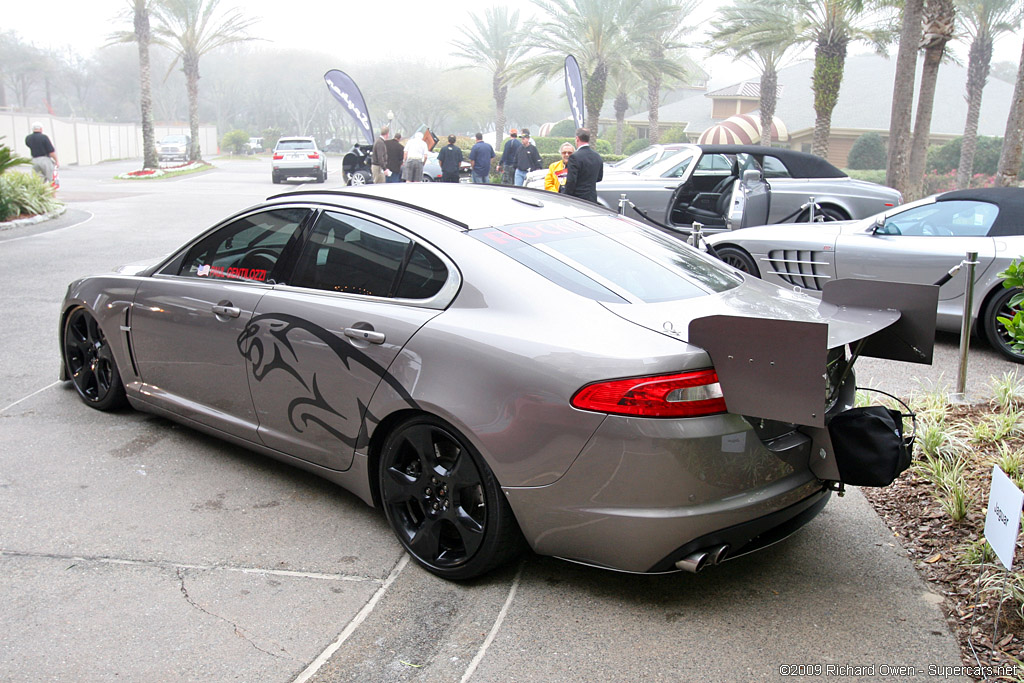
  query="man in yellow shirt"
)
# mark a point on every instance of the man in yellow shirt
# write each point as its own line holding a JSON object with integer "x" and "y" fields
{"x": 555, "y": 178}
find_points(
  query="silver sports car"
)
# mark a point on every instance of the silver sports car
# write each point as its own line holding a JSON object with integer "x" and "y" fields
{"x": 918, "y": 242}
{"x": 726, "y": 187}
{"x": 494, "y": 367}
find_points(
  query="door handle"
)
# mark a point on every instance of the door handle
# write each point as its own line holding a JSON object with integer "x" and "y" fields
{"x": 227, "y": 311}
{"x": 365, "y": 335}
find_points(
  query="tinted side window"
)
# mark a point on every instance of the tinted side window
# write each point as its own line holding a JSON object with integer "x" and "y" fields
{"x": 960, "y": 218}
{"x": 424, "y": 275}
{"x": 773, "y": 168}
{"x": 246, "y": 249}
{"x": 350, "y": 254}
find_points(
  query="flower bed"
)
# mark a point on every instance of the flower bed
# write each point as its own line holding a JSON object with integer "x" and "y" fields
{"x": 164, "y": 171}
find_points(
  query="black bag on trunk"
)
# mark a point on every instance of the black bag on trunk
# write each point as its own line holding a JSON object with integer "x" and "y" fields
{"x": 869, "y": 445}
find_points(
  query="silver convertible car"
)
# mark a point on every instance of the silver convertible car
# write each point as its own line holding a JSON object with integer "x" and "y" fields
{"x": 726, "y": 187}
{"x": 495, "y": 368}
{"x": 917, "y": 243}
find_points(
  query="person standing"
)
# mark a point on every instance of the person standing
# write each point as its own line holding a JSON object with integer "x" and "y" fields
{"x": 379, "y": 158}
{"x": 395, "y": 153}
{"x": 480, "y": 156}
{"x": 507, "y": 163}
{"x": 527, "y": 158}
{"x": 450, "y": 159}
{"x": 44, "y": 156}
{"x": 554, "y": 181}
{"x": 415, "y": 156}
{"x": 584, "y": 169}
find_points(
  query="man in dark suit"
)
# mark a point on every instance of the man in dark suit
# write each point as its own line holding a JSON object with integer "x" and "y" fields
{"x": 585, "y": 169}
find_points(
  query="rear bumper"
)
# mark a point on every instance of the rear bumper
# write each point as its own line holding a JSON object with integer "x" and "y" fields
{"x": 644, "y": 493}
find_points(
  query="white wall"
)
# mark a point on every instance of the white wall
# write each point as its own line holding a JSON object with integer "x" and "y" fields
{"x": 90, "y": 142}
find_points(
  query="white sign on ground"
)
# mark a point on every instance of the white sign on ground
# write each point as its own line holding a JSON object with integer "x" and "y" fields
{"x": 1003, "y": 520}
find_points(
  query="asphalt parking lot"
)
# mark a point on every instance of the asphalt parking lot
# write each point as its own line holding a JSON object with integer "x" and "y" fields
{"x": 134, "y": 549}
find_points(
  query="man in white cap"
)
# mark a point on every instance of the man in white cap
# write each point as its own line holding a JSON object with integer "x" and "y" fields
{"x": 44, "y": 156}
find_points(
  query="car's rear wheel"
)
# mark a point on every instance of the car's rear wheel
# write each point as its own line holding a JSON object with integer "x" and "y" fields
{"x": 321, "y": 176}
{"x": 995, "y": 332}
{"x": 360, "y": 178}
{"x": 427, "y": 178}
{"x": 276, "y": 178}
{"x": 90, "y": 362}
{"x": 738, "y": 259}
{"x": 443, "y": 502}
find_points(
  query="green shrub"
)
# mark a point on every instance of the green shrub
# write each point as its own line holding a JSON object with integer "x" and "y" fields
{"x": 235, "y": 141}
{"x": 564, "y": 129}
{"x": 9, "y": 159}
{"x": 270, "y": 137}
{"x": 25, "y": 194}
{"x": 673, "y": 135}
{"x": 870, "y": 176}
{"x": 636, "y": 146}
{"x": 1013, "y": 278}
{"x": 551, "y": 145}
{"x": 945, "y": 158}
{"x": 868, "y": 152}
{"x": 603, "y": 147}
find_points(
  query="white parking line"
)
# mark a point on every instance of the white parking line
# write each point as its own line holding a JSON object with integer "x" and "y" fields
{"x": 48, "y": 386}
{"x": 354, "y": 624}
{"x": 50, "y": 232}
{"x": 497, "y": 625}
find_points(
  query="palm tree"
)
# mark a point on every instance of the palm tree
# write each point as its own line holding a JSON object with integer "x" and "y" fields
{"x": 982, "y": 21}
{"x": 898, "y": 159}
{"x": 142, "y": 34}
{"x": 1008, "y": 173}
{"x": 191, "y": 29}
{"x": 940, "y": 22}
{"x": 759, "y": 33}
{"x": 656, "y": 63}
{"x": 494, "y": 42}
{"x": 831, "y": 25}
{"x": 599, "y": 33}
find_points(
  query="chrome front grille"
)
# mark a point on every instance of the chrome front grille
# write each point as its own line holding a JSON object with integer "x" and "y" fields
{"x": 799, "y": 267}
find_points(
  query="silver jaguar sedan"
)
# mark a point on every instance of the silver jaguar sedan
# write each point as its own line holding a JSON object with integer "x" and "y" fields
{"x": 494, "y": 367}
{"x": 918, "y": 243}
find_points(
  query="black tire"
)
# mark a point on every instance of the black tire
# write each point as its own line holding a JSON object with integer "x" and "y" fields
{"x": 443, "y": 502}
{"x": 360, "y": 178}
{"x": 427, "y": 179}
{"x": 90, "y": 362}
{"x": 276, "y": 178}
{"x": 738, "y": 259}
{"x": 995, "y": 333}
{"x": 321, "y": 176}
{"x": 825, "y": 214}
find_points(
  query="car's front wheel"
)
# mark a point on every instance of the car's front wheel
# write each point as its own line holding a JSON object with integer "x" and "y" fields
{"x": 90, "y": 362}
{"x": 823, "y": 214}
{"x": 738, "y": 259}
{"x": 443, "y": 502}
{"x": 360, "y": 178}
{"x": 995, "y": 331}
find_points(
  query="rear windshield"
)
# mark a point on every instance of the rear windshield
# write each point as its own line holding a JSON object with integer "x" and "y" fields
{"x": 294, "y": 144}
{"x": 612, "y": 259}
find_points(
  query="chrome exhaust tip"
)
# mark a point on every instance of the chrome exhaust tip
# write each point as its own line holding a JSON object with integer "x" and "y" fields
{"x": 718, "y": 554}
{"x": 693, "y": 563}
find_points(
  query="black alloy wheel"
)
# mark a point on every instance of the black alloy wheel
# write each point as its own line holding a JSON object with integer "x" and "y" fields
{"x": 442, "y": 501}
{"x": 995, "y": 331}
{"x": 738, "y": 259}
{"x": 90, "y": 362}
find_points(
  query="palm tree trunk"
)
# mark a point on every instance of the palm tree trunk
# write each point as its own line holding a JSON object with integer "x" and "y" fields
{"x": 939, "y": 30}
{"x": 143, "y": 36}
{"x": 1013, "y": 140}
{"x": 621, "y": 105}
{"x": 500, "y": 91}
{"x": 190, "y": 65}
{"x": 769, "y": 98}
{"x": 653, "y": 105}
{"x": 980, "y": 57}
{"x": 898, "y": 161}
{"x": 829, "y": 61}
{"x": 593, "y": 97}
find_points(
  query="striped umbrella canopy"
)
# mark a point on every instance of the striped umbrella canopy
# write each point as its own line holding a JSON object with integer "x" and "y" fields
{"x": 742, "y": 129}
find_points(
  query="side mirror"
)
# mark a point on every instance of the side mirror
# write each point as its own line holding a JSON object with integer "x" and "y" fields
{"x": 751, "y": 175}
{"x": 877, "y": 226}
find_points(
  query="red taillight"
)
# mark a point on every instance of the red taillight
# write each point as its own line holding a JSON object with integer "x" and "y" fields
{"x": 278, "y": 157}
{"x": 314, "y": 155}
{"x": 687, "y": 394}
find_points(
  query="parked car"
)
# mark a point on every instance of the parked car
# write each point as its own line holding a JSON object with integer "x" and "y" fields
{"x": 432, "y": 170}
{"x": 298, "y": 157}
{"x": 356, "y": 167}
{"x": 634, "y": 163}
{"x": 173, "y": 148}
{"x": 489, "y": 365}
{"x": 918, "y": 242}
{"x": 726, "y": 187}
{"x": 254, "y": 146}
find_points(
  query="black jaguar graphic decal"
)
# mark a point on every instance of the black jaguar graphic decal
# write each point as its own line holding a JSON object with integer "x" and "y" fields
{"x": 312, "y": 406}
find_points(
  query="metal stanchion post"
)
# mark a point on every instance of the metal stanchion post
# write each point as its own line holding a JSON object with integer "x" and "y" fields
{"x": 810, "y": 210}
{"x": 695, "y": 235}
{"x": 622, "y": 204}
{"x": 965, "y": 326}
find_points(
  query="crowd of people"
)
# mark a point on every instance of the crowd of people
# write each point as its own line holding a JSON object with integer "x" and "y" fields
{"x": 576, "y": 173}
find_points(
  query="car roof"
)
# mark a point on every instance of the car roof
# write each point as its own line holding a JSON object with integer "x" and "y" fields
{"x": 1010, "y": 200}
{"x": 295, "y": 137}
{"x": 470, "y": 206}
{"x": 799, "y": 164}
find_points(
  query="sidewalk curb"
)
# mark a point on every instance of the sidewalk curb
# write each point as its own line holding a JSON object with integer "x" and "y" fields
{"x": 19, "y": 222}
